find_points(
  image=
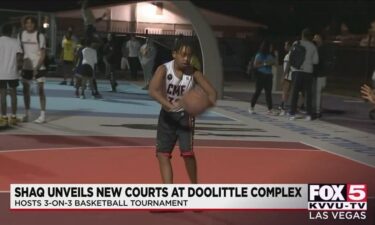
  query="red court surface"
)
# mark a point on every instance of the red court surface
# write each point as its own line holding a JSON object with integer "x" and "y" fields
{"x": 32, "y": 159}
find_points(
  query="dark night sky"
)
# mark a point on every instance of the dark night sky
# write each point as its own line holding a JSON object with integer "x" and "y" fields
{"x": 292, "y": 16}
{"x": 282, "y": 17}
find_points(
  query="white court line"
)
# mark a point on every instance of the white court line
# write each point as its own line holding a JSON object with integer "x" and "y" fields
{"x": 127, "y": 146}
{"x": 340, "y": 155}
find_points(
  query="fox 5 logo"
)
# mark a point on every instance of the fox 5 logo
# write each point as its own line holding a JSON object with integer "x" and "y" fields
{"x": 337, "y": 192}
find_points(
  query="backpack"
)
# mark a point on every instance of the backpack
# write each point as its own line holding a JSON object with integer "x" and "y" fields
{"x": 297, "y": 55}
{"x": 47, "y": 60}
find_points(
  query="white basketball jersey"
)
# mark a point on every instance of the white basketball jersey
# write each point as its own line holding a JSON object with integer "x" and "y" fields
{"x": 176, "y": 87}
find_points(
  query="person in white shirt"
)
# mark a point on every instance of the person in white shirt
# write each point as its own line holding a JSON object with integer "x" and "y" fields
{"x": 10, "y": 60}
{"x": 133, "y": 47}
{"x": 287, "y": 78}
{"x": 89, "y": 58}
{"x": 147, "y": 56}
{"x": 33, "y": 45}
{"x": 303, "y": 77}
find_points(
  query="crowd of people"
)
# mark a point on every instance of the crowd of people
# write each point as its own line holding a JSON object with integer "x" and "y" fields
{"x": 24, "y": 59}
{"x": 302, "y": 79}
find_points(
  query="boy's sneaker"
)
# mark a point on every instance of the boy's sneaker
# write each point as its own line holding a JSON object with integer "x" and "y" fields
{"x": 63, "y": 82}
{"x": 40, "y": 119}
{"x": 308, "y": 118}
{"x": 251, "y": 110}
{"x": 292, "y": 118}
{"x": 13, "y": 121}
{"x": 82, "y": 96}
{"x": 282, "y": 112}
{"x": 3, "y": 121}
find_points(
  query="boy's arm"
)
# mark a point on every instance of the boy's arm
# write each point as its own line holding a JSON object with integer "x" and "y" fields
{"x": 206, "y": 86}
{"x": 19, "y": 60}
{"x": 157, "y": 89}
{"x": 42, "y": 47}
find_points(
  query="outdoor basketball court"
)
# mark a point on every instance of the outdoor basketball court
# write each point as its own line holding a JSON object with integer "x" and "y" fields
{"x": 111, "y": 140}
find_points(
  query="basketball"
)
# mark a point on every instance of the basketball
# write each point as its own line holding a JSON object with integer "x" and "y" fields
{"x": 195, "y": 102}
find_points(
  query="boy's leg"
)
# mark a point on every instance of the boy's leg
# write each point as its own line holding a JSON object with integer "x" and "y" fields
{"x": 165, "y": 168}
{"x": 26, "y": 98}
{"x": 285, "y": 94}
{"x": 3, "y": 105}
{"x": 3, "y": 93}
{"x": 78, "y": 84}
{"x": 3, "y": 117}
{"x": 259, "y": 84}
{"x": 26, "y": 94}
{"x": 268, "y": 90}
{"x": 42, "y": 97}
{"x": 3, "y": 97}
{"x": 13, "y": 84}
{"x": 165, "y": 141}
{"x": 185, "y": 133}
{"x": 13, "y": 96}
{"x": 83, "y": 85}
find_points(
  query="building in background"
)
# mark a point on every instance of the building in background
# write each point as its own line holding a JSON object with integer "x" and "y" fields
{"x": 158, "y": 18}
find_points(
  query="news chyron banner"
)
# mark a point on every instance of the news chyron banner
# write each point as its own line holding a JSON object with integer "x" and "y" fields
{"x": 321, "y": 201}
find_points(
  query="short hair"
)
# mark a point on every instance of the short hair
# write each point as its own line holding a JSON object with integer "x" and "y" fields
{"x": 182, "y": 42}
{"x": 7, "y": 29}
{"x": 32, "y": 19}
{"x": 307, "y": 34}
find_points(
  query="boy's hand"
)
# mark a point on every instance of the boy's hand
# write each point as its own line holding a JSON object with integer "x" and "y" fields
{"x": 176, "y": 106}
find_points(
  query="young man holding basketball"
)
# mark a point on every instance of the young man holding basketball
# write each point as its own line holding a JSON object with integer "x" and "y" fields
{"x": 169, "y": 83}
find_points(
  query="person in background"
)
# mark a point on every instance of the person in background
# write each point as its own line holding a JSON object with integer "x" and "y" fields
{"x": 124, "y": 59}
{"x": 33, "y": 45}
{"x": 109, "y": 60}
{"x": 320, "y": 78}
{"x": 147, "y": 56}
{"x": 88, "y": 67}
{"x": 263, "y": 71}
{"x": 287, "y": 78}
{"x": 133, "y": 47}
{"x": 68, "y": 46}
{"x": 10, "y": 63}
{"x": 303, "y": 77}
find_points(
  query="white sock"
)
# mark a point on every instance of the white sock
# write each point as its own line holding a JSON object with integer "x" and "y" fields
{"x": 42, "y": 113}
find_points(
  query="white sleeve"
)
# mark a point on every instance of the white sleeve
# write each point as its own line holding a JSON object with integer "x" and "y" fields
{"x": 19, "y": 41}
{"x": 42, "y": 41}
{"x": 18, "y": 47}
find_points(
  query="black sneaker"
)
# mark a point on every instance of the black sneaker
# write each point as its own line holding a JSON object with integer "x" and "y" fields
{"x": 63, "y": 82}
